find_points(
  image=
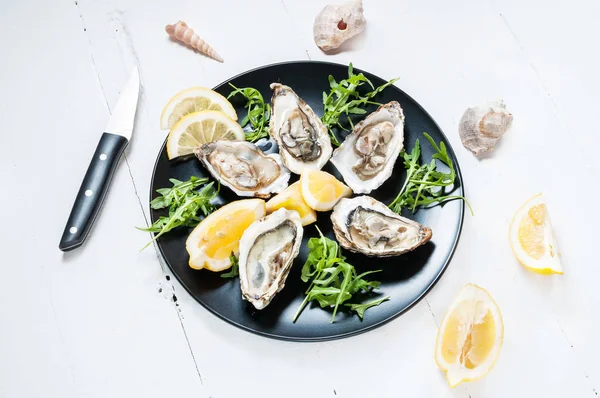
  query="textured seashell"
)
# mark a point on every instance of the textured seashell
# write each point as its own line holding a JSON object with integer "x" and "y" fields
{"x": 337, "y": 23}
{"x": 184, "y": 34}
{"x": 482, "y": 126}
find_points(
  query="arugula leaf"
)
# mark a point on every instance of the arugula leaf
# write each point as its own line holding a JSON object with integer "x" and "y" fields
{"x": 344, "y": 99}
{"x": 361, "y": 308}
{"x": 235, "y": 268}
{"x": 334, "y": 281}
{"x": 177, "y": 192}
{"x": 258, "y": 112}
{"x": 425, "y": 185}
{"x": 184, "y": 202}
{"x": 359, "y": 283}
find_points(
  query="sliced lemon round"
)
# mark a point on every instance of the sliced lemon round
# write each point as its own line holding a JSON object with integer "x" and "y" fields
{"x": 320, "y": 190}
{"x": 213, "y": 240}
{"x": 199, "y": 128}
{"x": 291, "y": 199}
{"x": 470, "y": 336}
{"x": 195, "y": 99}
{"x": 532, "y": 240}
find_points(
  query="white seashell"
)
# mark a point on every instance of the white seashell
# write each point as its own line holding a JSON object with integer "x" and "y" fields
{"x": 186, "y": 35}
{"x": 482, "y": 126}
{"x": 337, "y": 23}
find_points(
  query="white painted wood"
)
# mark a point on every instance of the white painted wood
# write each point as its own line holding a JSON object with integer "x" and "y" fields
{"x": 90, "y": 323}
{"x": 93, "y": 323}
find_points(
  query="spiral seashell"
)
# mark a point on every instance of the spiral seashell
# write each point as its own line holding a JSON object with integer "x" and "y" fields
{"x": 336, "y": 24}
{"x": 482, "y": 126}
{"x": 186, "y": 35}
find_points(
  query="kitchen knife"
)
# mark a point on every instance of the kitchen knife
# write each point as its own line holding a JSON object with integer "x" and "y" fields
{"x": 102, "y": 166}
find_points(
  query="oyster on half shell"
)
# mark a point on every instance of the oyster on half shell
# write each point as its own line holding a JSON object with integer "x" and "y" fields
{"x": 244, "y": 168}
{"x": 367, "y": 156}
{"x": 364, "y": 225}
{"x": 267, "y": 251}
{"x": 302, "y": 137}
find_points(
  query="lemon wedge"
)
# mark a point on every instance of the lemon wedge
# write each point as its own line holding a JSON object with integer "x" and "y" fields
{"x": 199, "y": 128}
{"x": 470, "y": 336}
{"x": 291, "y": 199}
{"x": 213, "y": 240}
{"x": 532, "y": 240}
{"x": 195, "y": 99}
{"x": 320, "y": 190}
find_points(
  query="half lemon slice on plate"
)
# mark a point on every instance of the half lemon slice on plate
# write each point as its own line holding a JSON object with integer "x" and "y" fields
{"x": 532, "y": 239}
{"x": 213, "y": 240}
{"x": 291, "y": 199}
{"x": 195, "y": 99}
{"x": 470, "y": 336}
{"x": 199, "y": 128}
{"x": 321, "y": 190}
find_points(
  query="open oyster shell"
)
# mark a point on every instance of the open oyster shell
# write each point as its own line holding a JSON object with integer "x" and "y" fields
{"x": 364, "y": 225}
{"x": 367, "y": 156}
{"x": 302, "y": 138}
{"x": 244, "y": 168}
{"x": 267, "y": 251}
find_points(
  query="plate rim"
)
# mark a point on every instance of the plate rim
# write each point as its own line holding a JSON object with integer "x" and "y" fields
{"x": 339, "y": 336}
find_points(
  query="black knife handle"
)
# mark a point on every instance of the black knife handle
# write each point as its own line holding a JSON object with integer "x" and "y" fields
{"x": 93, "y": 190}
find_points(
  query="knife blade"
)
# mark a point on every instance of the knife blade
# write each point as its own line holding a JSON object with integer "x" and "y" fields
{"x": 102, "y": 166}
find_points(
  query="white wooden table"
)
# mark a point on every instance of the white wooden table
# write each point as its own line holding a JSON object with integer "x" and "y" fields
{"x": 102, "y": 322}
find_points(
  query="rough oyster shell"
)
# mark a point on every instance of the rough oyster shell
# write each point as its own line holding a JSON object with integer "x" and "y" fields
{"x": 337, "y": 23}
{"x": 367, "y": 156}
{"x": 364, "y": 225}
{"x": 244, "y": 168}
{"x": 267, "y": 251}
{"x": 302, "y": 138}
{"x": 482, "y": 126}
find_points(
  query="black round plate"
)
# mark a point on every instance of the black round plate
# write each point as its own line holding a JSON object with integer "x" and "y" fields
{"x": 406, "y": 279}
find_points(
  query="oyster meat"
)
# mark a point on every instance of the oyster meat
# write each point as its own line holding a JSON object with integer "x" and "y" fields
{"x": 302, "y": 138}
{"x": 267, "y": 251}
{"x": 364, "y": 225}
{"x": 244, "y": 168}
{"x": 367, "y": 156}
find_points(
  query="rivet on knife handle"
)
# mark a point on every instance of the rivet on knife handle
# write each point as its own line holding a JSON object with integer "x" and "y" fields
{"x": 93, "y": 190}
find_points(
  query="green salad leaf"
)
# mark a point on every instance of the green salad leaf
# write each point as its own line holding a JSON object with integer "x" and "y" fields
{"x": 344, "y": 100}
{"x": 235, "y": 268}
{"x": 361, "y": 308}
{"x": 185, "y": 201}
{"x": 333, "y": 280}
{"x": 258, "y": 112}
{"x": 425, "y": 185}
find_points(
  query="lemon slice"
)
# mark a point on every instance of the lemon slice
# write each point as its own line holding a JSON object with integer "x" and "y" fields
{"x": 195, "y": 99}
{"x": 199, "y": 128}
{"x": 291, "y": 199}
{"x": 321, "y": 190}
{"x": 532, "y": 240}
{"x": 213, "y": 240}
{"x": 470, "y": 336}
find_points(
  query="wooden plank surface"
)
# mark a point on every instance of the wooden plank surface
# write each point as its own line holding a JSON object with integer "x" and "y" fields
{"x": 102, "y": 322}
